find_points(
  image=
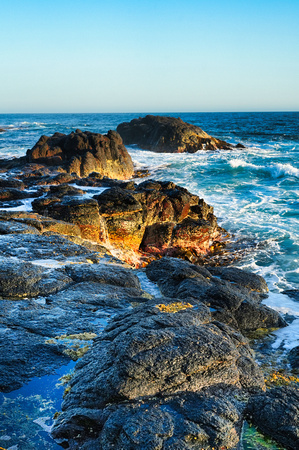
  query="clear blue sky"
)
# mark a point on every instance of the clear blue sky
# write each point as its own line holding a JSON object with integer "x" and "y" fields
{"x": 149, "y": 55}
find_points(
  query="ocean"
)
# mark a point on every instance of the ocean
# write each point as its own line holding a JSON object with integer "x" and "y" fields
{"x": 254, "y": 191}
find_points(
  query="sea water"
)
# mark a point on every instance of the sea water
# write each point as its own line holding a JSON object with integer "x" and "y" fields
{"x": 254, "y": 191}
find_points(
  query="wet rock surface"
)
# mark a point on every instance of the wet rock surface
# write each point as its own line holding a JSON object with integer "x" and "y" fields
{"x": 234, "y": 295}
{"x": 168, "y": 134}
{"x": 276, "y": 413}
{"x": 83, "y": 153}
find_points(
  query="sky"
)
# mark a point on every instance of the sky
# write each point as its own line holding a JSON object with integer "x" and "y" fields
{"x": 149, "y": 56}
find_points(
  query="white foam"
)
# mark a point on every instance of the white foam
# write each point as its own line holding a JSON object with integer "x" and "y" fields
{"x": 26, "y": 206}
{"x": 41, "y": 422}
{"x": 278, "y": 170}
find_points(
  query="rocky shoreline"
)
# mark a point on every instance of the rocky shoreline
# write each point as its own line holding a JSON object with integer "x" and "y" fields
{"x": 173, "y": 370}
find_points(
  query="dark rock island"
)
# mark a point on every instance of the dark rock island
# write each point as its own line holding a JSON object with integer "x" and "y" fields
{"x": 169, "y": 135}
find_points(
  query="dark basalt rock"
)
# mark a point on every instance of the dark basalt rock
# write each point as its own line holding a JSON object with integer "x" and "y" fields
{"x": 102, "y": 273}
{"x": 184, "y": 421}
{"x": 293, "y": 293}
{"x": 147, "y": 353}
{"x": 20, "y": 279}
{"x": 83, "y": 153}
{"x": 235, "y": 295}
{"x": 293, "y": 357}
{"x": 11, "y": 183}
{"x": 168, "y": 134}
{"x": 276, "y": 413}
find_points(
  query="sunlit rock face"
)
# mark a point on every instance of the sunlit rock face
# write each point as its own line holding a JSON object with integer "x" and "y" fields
{"x": 142, "y": 221}
{"x": 83, "y": 153}
{"x": 169, "y": 135}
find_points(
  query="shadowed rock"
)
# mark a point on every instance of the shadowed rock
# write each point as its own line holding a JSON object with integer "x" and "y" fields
{"x": 276, "y": 413}
{"x": 169, "y": 135}
{"x": 184, "y": 421}
{"x": 83, "y": 153}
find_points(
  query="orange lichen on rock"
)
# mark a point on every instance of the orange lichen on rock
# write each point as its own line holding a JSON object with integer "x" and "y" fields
{"x": 173, "y": 307}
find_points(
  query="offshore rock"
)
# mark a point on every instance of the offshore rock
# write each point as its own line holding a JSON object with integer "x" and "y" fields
{"x": 83, "y": 153}
{"x": 233, "y": 294}
{"x": 147, "y": 353}
{"x": 276, "y": 413}
{"x": 169, "y": 135}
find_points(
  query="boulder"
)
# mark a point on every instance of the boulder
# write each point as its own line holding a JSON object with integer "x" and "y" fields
{"x": 234, "y": 295}
{"x": 169, "y": 135}
{"x": 83, "y": 153}
{"x": 158, "y": 351}
{"x": 276, "y": 413}
{"x": 187, "y": 421}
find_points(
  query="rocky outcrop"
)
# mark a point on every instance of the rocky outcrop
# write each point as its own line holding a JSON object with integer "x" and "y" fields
{"x": 234, "y": 295}
{"x": 276, "y": 413}
{"x": 152, "y": 218}
{"x": 169, "y": 135}
{"x": 150, "y": 353}
{"x": 83, "y": 153}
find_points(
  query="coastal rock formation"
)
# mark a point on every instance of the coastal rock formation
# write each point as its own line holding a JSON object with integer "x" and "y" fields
{"x": 152, "y": 218}
{"x": 152, "y": 351}
{"x": 83, "y": 153}
{"x": 276, "y": 413}
{"x": 234, "y": 295}
{"x": 169, "y": 135}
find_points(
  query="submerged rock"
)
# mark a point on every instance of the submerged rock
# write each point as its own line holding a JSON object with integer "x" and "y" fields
{"x": 24, "y": 355}
{"x": 168, "y": 134}
{"x": 83, "y": 153}
{"x": 276, "y": 413}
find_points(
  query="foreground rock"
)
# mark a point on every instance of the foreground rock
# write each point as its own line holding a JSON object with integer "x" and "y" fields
{"x": 153, "y": 218}
{"x": 83, "y": 153}
{"x": 234, "y": 295}
{"x": 50, "y": 288}
{"x": 151, "y": 352}
{"x": 169, "y": 135}
{"x": 184, "y": 421}
{"x": 276, "y": 413}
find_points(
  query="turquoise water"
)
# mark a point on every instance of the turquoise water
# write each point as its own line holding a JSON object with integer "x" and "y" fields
{"x": 254, "y": 191}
